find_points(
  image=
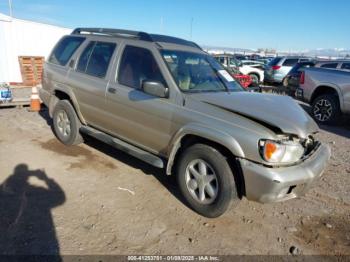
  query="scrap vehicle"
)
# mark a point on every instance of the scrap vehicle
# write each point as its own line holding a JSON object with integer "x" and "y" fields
{"x": 167, "y": 102}
{"x": 229, "y": 61}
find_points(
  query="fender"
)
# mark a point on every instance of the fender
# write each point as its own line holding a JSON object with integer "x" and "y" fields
{"x": 206, "y": 132}
{"x": 54, "y": 100}
{"x": 333, "y": 86}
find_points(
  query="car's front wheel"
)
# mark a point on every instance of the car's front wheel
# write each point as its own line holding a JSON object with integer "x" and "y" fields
{"x": 326, "y": 109}
{"x": 206, "y": 180}
{"x": 66, "y": 123}
{"x": 255, "y": 80}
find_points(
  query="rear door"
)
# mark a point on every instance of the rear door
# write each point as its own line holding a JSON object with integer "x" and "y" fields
{"x": 89, "y": 77}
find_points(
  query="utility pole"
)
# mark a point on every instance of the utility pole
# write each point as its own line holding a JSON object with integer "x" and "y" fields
{"x": 191, "y": 27}
{"x": 10, "y": 7}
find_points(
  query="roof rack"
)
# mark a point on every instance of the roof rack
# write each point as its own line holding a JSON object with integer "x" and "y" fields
{"x": 113, "y": 32}
{"x": 135, "y": 34}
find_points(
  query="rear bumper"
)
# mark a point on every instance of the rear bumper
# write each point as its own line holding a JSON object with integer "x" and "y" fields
{"x": 44, "y": 96}
{"x": 265, "y": 185}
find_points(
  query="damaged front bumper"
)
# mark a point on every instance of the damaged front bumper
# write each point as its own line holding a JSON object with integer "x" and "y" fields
{"x": 273, "y": 184}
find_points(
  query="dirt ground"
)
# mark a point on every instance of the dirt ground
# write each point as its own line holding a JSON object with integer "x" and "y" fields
{"x": 93, "y": 199}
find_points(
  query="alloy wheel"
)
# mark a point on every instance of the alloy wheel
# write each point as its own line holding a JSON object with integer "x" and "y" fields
{"x": 323, "y": 110}
{"x": 201, "y": 181}
{"x": 63, "y": 123}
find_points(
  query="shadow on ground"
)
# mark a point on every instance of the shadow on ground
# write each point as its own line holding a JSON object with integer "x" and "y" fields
{"x": 169, "y": 182}
{"x": 26, "y": 223}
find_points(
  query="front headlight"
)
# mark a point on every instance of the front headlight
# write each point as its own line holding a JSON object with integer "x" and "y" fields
{"x": 281, "y": 151}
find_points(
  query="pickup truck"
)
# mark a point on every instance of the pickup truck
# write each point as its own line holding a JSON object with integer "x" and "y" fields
{"x": 327, "y": 91}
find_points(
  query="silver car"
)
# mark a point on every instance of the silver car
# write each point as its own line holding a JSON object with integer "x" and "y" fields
{"x": 167, "y": 102}
{"x": 279, "y": 67}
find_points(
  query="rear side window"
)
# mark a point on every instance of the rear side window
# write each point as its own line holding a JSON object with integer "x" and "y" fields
{"x": 65, "y": 49}
{"x": 330, "y": 65}
{"x": 290, "y": 62}
{"x": 95, "y": 58}
{"x": 275, "y": 61}
{"x": 346, "y": 66}
{"x": 137, "y": 65}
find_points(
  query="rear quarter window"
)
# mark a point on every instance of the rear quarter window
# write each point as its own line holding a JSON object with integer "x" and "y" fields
{"x": 65, "y": 49}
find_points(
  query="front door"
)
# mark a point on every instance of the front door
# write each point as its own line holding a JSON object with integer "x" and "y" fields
{"x": 137, "y": 117}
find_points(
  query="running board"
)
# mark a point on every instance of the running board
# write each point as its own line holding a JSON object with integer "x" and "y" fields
{"x": 123, "y": 146}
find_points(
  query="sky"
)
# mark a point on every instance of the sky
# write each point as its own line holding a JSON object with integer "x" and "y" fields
{"x": 287, "y": 25}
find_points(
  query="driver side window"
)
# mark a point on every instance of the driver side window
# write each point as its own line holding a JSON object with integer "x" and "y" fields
{"x": 138, "y": 65}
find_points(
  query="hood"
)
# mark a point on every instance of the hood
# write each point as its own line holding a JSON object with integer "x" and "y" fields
{"x": 274, "y": 110}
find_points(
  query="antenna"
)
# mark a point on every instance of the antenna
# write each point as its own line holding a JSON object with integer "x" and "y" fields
{"x": 191, "y": 26}
{"x": 161, "y": 25}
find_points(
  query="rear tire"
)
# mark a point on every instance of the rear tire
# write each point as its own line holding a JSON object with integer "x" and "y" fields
{"x": 66, "y": 123}
{"x": 326, "y": 109}
{"x": 206, "y": 180}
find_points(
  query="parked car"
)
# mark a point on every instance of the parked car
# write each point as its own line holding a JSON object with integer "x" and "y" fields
{"x": 167, "y": 102}
{"x": 328, "y": 92}
{"x": 228, "y": 60}
{"x": 278, "y": 68}
{"x": 244, "y": 80}
{"x": 334, "y": 64}
{"x": 240, "y": 57}
{"x": 254, "y": 63}
{"x": 292, "y": 80}
{"x": 266, "y": 60}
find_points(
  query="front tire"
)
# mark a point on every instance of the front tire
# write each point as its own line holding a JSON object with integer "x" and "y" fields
{"x": 206, "y": 180}
{"x": 326, "y": 109}
{"x": 255, "y": 80}
{"x": 66, "y": 123}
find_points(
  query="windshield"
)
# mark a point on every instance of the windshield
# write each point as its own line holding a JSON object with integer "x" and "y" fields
{"x": 198, "y": 72}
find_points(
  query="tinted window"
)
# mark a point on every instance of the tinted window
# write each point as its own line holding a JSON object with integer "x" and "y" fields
{"x": 330, "y": 65}
{"x": 65, "y": 49}
{"x": 95, "y": 58}
{"x": 274, "y": 61}
{"x": 346, "y": 66}
{"x": 84, "y": 58}
{"x": 290, "y": 62}
{"x": 137, "y": 65}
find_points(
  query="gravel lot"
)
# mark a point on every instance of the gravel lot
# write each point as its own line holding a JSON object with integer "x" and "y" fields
{"x": 92, "y": 199}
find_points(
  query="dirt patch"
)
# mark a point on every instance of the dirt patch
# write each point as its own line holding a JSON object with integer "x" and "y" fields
{"x": 328, "y": 235}
{"x": 86, "y": 157}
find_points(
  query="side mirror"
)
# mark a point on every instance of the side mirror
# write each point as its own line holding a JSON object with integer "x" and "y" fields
{"x": 155, "y": 88}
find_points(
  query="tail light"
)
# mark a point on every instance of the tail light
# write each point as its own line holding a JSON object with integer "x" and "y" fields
{"x": 276, "y": 67}
{"x": 302, "y": 78}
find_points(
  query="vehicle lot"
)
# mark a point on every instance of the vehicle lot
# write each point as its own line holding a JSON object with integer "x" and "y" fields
{"x": 103, "y": 201}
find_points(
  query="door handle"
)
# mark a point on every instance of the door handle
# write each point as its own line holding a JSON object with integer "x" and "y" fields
{"x": 112, "y": 90}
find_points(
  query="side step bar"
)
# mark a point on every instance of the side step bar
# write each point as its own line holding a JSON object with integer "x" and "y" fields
{"x": 123, "y": 146}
